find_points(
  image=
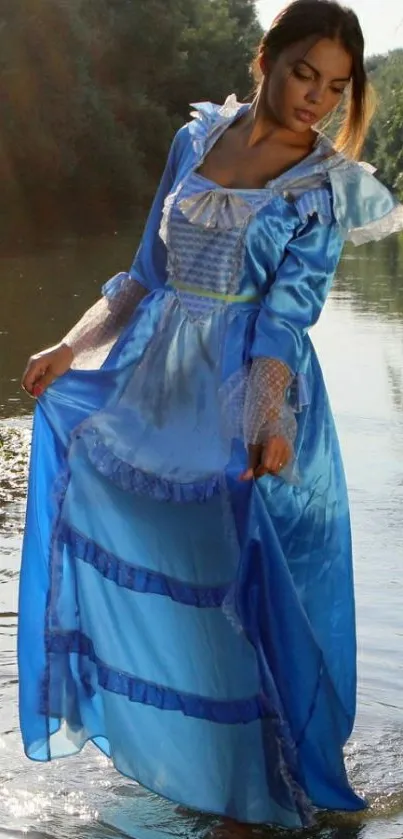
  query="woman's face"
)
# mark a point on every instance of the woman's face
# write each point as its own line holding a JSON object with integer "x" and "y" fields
{"x": 307, "y": 82}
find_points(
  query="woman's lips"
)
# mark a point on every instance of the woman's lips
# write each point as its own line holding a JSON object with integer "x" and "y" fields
{"x": 308, "y": 117}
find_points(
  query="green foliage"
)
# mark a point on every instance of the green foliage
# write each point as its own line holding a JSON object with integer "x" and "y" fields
{"x": 384, "y": 147}
{"x": 94, "y": 90}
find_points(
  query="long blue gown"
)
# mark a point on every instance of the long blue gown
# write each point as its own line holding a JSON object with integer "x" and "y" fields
{"x": 200, "y": 630}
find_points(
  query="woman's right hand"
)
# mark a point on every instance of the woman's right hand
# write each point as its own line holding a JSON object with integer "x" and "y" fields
{"x": 46, "y": 366}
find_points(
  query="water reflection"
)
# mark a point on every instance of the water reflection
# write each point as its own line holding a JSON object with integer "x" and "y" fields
{"x": 373, "y": 275}
{"x": 360, "y": 342}
{"x": 395, "y": 376}
{"x": 14, "y": 447}
{"x": 44, "y": 292}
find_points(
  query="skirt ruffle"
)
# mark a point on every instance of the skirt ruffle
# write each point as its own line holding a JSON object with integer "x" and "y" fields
{"x": 199, "y": 630}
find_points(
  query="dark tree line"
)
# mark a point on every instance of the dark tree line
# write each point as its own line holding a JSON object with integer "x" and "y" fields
{"x": 384, "y": 147}
{"x": 93, "y": 90}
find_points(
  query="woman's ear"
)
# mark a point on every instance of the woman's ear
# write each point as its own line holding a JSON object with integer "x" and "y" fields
{"x": 262, "y": 63}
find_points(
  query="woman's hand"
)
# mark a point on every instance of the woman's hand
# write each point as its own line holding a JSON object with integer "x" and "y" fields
{"x": 270, "y": 459}
{"x": 46, "y": 366}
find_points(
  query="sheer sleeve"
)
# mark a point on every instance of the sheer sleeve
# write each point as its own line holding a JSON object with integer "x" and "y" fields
{"x": 292, "y": 305}
{"x": 98, "y": 329}
{"x": 267, "y": 412}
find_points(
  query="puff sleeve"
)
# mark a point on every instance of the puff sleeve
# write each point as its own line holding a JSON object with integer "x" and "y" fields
{"x": 364, "y": 208}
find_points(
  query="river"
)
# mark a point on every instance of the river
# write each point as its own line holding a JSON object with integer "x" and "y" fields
{"x": 360, "y": 342}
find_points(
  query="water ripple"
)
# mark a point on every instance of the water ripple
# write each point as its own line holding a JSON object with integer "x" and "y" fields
{"x": 14, "y": 451}
{"x": 84, "y": 797}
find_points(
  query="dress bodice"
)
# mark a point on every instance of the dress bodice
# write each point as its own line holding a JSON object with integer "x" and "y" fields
{"x": 204, "y": 229}
{"x": 224, "y": 245}
{"x": 213, "y": 236}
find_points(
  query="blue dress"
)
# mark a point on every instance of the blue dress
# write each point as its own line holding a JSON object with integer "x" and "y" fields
{"x": 198, "y": 629}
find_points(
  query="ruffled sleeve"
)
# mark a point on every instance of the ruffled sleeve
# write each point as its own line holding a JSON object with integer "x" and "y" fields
{"x": 95, "y": 333}
{"x": 364, "y": 209}
{"x": 204, "y": 117}
{"x": 209, "y": 118}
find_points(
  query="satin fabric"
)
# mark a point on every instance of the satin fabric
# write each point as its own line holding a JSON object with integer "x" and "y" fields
{"x": 199, "y": 630}
{"x": 241, "y": 641}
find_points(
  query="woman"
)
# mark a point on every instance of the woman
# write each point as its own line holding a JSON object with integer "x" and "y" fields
{"x": 186, "y": 592}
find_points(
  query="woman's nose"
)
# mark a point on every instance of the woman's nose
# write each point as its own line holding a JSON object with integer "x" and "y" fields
{"x": 315, "y": 95}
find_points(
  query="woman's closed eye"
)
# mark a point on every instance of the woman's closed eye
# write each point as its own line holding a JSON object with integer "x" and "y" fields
{"x": 338, "y": 90}
{"x": 305, "y": 75}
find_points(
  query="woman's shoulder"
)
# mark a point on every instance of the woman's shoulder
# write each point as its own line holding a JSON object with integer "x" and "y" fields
{"x": 344, "y": 192}
{"x": 208, "y": 114}
{"x": 205, "y": 117}
{"x": 363, "y": 207}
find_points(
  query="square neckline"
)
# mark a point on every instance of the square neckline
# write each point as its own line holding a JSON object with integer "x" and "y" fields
{"x": 218, "y": 131}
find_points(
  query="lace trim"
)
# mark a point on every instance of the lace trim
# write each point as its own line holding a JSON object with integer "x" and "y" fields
{"x": 267, "y": 413}
{"x": 92, "y": 338}
{"x": 136, "y": 578}
{"x": 315, "y": 202}
{"x": 363, "y": 207}
{"x": 166, "y": 214}
{"x": 217, "y": 208}
{"x": 121, "y": 282}
{"x": 130, "y": 479}
{"x": 298, "y": 396}
{"x": 208, "y": 116}
{"x": 199, "y": 308}
{"x": 225, "y": 712}
{"x": 378, "y": 229}
{"x": 214, "y": 208}
{"x": 262, "y": 401}
{"x": 233, "y": 395}
{"x": 193, "y": 212}
{"x": 226, "y": 209}
{"x": 219, "y": 260}
{"x": 208, "y": 113}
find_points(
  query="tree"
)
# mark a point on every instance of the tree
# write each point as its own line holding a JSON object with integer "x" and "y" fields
{"x": 384, "y": 143}
{"x": 94, "y": 92}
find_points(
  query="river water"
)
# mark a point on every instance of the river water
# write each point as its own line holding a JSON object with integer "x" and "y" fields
{"x": 360, "y": 342}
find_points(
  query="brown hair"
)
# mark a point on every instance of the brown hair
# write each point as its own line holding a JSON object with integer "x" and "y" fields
{"x": 304, "y": 19}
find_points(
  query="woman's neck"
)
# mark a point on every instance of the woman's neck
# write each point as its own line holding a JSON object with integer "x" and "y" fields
{"x": 262, "y": 126}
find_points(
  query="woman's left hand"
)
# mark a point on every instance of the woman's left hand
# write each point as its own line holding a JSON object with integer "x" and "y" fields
{"x": 270, "y": 459}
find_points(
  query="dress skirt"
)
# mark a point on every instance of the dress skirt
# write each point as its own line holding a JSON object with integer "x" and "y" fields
{"x": 198, "y": 629}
